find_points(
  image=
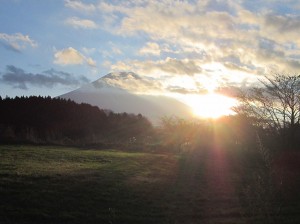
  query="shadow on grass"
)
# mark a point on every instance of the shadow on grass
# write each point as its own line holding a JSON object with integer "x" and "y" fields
{"x": 78, "y": 198}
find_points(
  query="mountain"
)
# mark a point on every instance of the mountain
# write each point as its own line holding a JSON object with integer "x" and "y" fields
{"x": 116, "y": 92}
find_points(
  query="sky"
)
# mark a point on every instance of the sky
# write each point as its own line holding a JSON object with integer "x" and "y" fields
{"x": 182, "y": 48}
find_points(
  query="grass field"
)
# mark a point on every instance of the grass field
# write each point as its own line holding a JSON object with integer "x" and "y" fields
{"x": 49, "y": 184}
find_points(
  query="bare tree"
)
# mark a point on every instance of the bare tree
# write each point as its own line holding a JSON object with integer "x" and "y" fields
{"x": 276, "y": 105}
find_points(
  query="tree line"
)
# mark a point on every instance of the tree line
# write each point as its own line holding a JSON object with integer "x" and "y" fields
{"x": 39, "y": 119}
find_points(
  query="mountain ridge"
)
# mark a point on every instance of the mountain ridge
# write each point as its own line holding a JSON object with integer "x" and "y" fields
{"x": 110, "y": 95}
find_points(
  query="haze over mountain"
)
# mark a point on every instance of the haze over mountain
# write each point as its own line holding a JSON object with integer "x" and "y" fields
{"x": 109, "y": 93}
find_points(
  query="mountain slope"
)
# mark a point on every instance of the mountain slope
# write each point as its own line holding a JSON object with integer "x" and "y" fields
{"x": 109, "y": 93}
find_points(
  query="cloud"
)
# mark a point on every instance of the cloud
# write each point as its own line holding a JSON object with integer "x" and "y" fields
{"x": 151, "y": 85}
{"x": 79, "y": 6}
{"x": 181, "y": 90}
{"x": 151, "y": 48}
{"x": 172, "y": 66}
{"x": 193, "y": 75}
{"x": 121, "y": 66}
{"x": 230, "y": 91}
{"x": 20, "y": 79}
{"x": 131, "y": 82}
{"x": 115, "y": 50}
{"x": 226, "y": 41}
{"x": 90, "y": 62}
{"x": 70, "y": 56}
{"x": 16, "y": 42}
{"x": 164, "y": 76}
{"x": 213, "y": 30}
{"x": 180, "y": 67}
{"x": 81, "y": 23}
{"x": 111, "y": 51}
{"x": 88, "y": 51}
{"x": 283, "y": 27}
{"x": 282, "y": 23}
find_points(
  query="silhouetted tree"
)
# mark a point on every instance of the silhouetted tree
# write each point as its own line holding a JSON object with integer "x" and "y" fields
{"x": 276, "y": 105}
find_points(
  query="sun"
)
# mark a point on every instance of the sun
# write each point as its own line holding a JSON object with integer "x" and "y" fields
{"x": 211, "y": 105}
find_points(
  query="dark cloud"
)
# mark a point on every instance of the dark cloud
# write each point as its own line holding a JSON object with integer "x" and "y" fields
{"x": 284, "y": 24}
{"x": 295, "y": 64}
{"x": 237, "y": 67}
{"x": 233, "y": 62}
{"x": 234, "y": 90}
{"x": 18, "y": 78}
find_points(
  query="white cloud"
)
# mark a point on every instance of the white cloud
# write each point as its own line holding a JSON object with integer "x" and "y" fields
{"x": 168, "y": 66}
{"x": 68, "y": 56}
{"x": 79, "y": 6}
{"x": 17, "y": 42}
{"x": 172, "y": 73}
{"x": 120, "y": 66}
{"x": 71, "y": 56}
{"x": 151, "y": 48}
{"x": 179, "y": 67}
{"x": 90, "y": 62}
{"x": 81, "y": 23}
{"x": 194, "y": 34}
{"x": 217, "y": 31}
{"x": 133, "y": 82}
{"x": 110, "y": 8}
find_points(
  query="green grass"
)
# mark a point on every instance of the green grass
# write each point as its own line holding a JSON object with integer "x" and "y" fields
{"x": 47, "y": 184}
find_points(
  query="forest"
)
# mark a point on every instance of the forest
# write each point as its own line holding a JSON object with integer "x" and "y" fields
{"x": 59, "y": 121}
{"x": 46, "y": 120}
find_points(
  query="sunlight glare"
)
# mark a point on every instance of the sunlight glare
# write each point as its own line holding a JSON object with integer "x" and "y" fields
{"x": 210, "y": 105}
